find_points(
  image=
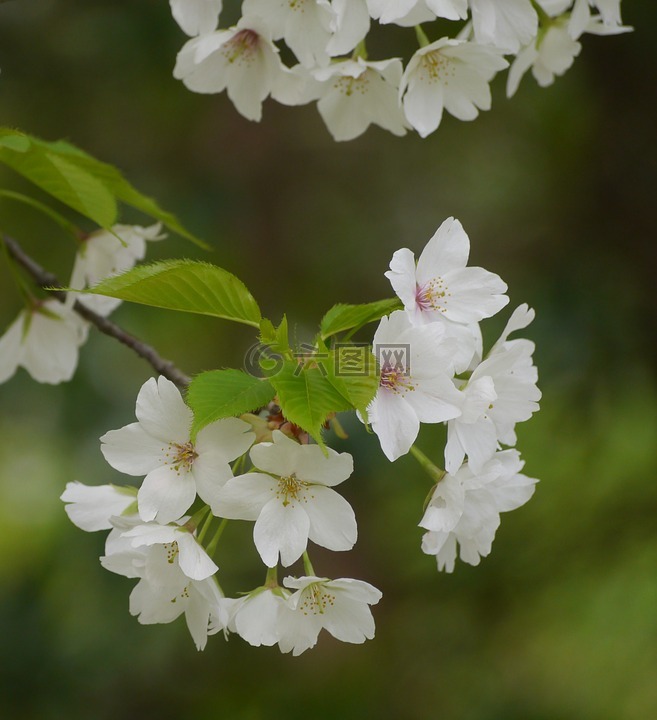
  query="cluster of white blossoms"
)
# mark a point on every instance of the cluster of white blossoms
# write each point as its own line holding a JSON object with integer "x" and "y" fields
{"x": 46, "y": 336}
{"x": 432, "y": 370}
{"x": 328, "y": 40}
{"x": 288, "y": 495}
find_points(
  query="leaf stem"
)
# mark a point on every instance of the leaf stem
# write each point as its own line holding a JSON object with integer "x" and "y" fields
{"x": 434, "y": 472}
{"x": 307, "y": 565}
{"x": 421, "y": 36}
{"x": 212, "y": 545}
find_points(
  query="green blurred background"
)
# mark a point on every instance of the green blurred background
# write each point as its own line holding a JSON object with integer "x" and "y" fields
{"x": 557, "y": 191}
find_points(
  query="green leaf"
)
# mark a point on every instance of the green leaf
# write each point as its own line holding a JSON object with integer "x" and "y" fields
{"x": 77, "y": 179}
{"x": 59, "y": 176}
{"x": 351, "y": 317}
{"x": 226, "y": 393}
{"x": 352, "y": 371}
{"x": 307, "y": 397}
{"x": 185, "y": 285}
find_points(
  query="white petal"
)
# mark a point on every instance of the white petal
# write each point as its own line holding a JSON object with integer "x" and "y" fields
{"x": 395, "y": 423}
{"x": 332, "y": 519}
{"x": 229, "y": 437}
{"x": 311, "y": 465}
{"x": 243, "y": 497}
{"x": 193, "y": 559}
{"x": 281, "y": 528}
{"x": 448, "y": 249}
{"x": 131, "y": 450}
{"x": 91, "y": 507}
{"x": 162, "y": 411}
{"x": 166, "y": 494}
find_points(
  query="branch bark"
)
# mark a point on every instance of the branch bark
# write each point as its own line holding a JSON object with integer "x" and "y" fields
{"x": 47, "y": 280}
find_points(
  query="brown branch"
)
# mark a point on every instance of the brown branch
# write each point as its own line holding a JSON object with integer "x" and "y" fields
{"x": 47, "y": 280}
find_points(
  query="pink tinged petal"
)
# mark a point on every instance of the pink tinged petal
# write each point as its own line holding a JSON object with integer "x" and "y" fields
{"x": 447, "y": 250}
{"x": 243, "y": 497}
{"x": 281, "y": 529}
{"x": 166, "y": 494}
{"x": 192, "y": 558}
{"x": 210, "y": 474}
{"x": 90, "y": 507}
{"x": 278, "y": 457}
{"x": 402, "y": 278}
{"x": 256, "y": 620}
{"x": 395, "y": 423}
{"x": 311, "y": 465}
{"x": 131, "y": 450}
{"x": 11, "y": 348}
{"x": 228, "y": 438}
{"x": 162, "y": 412}
{"x": 349, "y": 621}
{"x": 332, "y": 520}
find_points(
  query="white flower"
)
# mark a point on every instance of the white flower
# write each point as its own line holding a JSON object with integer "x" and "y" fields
{"x": 293, "y": 502}
{"x": 103, "y": 254}
{"x": 174, "y": 545}
{"x": 196, "y": 17}
{"x": 241, "y": 60}
{"x": 441, "y": 286}
{"x": 449, "y": 74}
{"x": 175, "y": 576}
{"x": 159, "y": 447}
{"x": 351, "y": 24}
{"x": 356, "y": 93}
{"x": 411, "y": 12}
{"x": 580, "y": 17}
{"x": 91, "y": 507}
{"x": 501, "y": 392}
{"x": 551, "y": 54}
{"x": 305, "y": 25}
{"x": 44, "y": 340}
{"x": 505, "y": 24}
{"x": 465, "y": 508}
{"x": 416, "y": 366}
{"x": 339, "y": 606}
{"x": 256, "y": 616}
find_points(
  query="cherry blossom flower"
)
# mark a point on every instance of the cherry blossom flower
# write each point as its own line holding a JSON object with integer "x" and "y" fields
{"x": 256, "y": 617}
{"x": 103, "y": 254}
{"x": 159, "y": 446}
{"x": 415, "y": 385}
{"x": 465, "y": 508}
{"x": 305, "y": 25}
{"x": 242, "y": 60}
{"x": 440, "y": 286}
{"x": 505, "y": 24}
{"x": 500, "y": 393}
{"x": 449, "y": 74}
{"x": 339, "y": 606}
{"x": 196, "y": 17}
{"x": 44, "y": 339}
{"x": 356, "y": 93}
{"x": 91, "y": 507}
{"x": 291, "y": 500}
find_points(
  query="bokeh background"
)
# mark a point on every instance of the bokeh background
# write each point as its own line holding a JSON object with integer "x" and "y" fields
{"x": 557, "y": 191}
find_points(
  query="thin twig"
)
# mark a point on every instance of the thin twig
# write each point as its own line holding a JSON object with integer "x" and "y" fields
{"x": 45, "y": 279}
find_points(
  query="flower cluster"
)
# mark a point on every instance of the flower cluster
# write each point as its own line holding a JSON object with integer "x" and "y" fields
{"x": 328, "y": 40}
{"x": 288, "y": 494}
{"x": 261, "y": 468}
{"x": 432, "y": 370}
{"x": 46, "y": 336}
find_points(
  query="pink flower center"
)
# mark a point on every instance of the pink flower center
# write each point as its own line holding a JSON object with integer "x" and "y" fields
{"x": 241, "y": 46}
{"x": 181, "y": 456}
{"x": 432, "y": 295}
{"x": 394, "y": 379}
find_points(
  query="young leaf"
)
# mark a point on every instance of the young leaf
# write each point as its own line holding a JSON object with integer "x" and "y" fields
{"x": 225, "y": 393}
{"x": 352, "y": 371}
{"x": 59, "y": 176}
{"x": 351, "y": 317}
{"x": 77, "y": 179}
{"x": 185, "y": 285}
{"x": 307, "y": 397}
